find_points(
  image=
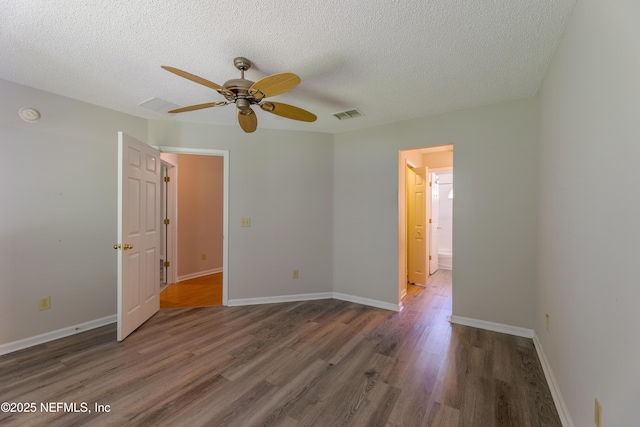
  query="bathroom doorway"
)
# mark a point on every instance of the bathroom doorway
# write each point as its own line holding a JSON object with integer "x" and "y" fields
{"x": 437, "y": 202}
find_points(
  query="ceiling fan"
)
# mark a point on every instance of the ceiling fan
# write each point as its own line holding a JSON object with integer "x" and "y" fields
{"x": 245, "y": 93}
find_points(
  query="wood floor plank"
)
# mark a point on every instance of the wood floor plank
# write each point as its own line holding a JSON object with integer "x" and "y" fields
{"x": 198, "y": 292}
{"x": 308, "y": 363}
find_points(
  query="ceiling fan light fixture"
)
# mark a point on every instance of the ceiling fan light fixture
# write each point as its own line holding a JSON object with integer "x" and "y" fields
{"x": 243, "y": 104}
{"x": 348, "y": 114}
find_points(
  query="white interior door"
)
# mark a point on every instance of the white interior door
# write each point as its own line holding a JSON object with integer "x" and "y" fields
{"x": 417, "y": 225}
{"x": 138, "y": 233}
{"x": 434, "y": 214}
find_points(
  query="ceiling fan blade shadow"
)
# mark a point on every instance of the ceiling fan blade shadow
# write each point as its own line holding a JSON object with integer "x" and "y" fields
{"x": 248, "y": 121}
{"x": 276, "y": 84}
{"x": 193, "y": 107}
{"x": 288, "y": 111}
{"x": 193, "y": 77}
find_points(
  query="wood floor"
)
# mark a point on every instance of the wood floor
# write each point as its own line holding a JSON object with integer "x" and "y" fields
{"x": 199, "y": 292}
{"x": 317, "y": 363}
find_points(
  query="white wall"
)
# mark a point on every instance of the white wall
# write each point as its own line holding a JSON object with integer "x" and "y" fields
{"x": 445, "y": 213}
{"x": 283, "y": 181}
{"x": 589, "y": 211}
{"x": 496, "y": 173}
{"x": 58, "y": 213}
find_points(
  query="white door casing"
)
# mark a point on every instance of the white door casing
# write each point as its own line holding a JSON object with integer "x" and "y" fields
{"x": 434, "y": 214}
{"x": 138, "y": 233}
{"x": 417, "y": 225}
{"x": 225, "y": 214}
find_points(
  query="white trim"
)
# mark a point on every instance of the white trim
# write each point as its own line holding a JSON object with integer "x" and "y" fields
{"x": 561, "y": 406}
{"x": 495, "y": 327}
{"x": 54, "y": 335}
{"x": 441, "y": 170}
{"x": 199, "y": 274}
{"x": 281, "y": 298}
{"x": 316, "y": 296}
{"x": 558, "y": 400}
{"x": 370, "y": 302}
{"x": 225, "y": 212}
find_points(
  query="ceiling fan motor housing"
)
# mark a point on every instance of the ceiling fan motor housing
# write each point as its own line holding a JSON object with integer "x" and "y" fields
{"x": 243, "y": 104}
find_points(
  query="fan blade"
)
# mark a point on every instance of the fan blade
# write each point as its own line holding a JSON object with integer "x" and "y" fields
{"x": 248, "y": 121}
{"x": 193, "y": 107}
{"x": 276, "y": 84}
{"x": 193, "y": 77}
{"x": 288, "y": 111}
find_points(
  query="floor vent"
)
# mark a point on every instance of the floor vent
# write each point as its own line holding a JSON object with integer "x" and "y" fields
{"x": 349, "y": 114}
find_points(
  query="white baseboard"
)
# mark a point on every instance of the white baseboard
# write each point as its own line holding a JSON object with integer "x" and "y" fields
{"x": 280, "y": 298}
{"x": 54, "y": 335}
{"x": 366, "y": 301}
{"x": 495, "y": 327}
{"x": 316, "y": 296}
{"x": 561, "y": 406}
{"x": 199, "y": 274}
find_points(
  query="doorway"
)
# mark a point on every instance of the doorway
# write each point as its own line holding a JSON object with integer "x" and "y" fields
{"x": 197, "y": 213}
{"x": 419, "y": 238}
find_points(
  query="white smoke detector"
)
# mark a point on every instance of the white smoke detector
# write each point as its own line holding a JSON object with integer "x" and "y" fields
{"x": 29, "y": 114}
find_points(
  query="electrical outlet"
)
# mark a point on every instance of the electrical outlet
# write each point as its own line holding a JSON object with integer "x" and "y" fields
{"x": 245, "y": 222}
{"x": 597, "y": 416}
{"x": 295, "y": 274}
{"x": 44, "y": 303}
{"x": 204, "y": 257}
{"x": 548, "y": 321}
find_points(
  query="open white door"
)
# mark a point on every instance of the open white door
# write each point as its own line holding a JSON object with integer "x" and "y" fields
{"x": 138, "y": 233}
{"x": 417, "y": 225}
{"x": 434, "y": 214}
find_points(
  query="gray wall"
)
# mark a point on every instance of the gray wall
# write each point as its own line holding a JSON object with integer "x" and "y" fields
{"x": 590, "y": 210}
{"x": 58, "y": 211}
{"x": 326, "y": 205}
{"x": 495, "y": 208}
{"x": 283, "y": 181}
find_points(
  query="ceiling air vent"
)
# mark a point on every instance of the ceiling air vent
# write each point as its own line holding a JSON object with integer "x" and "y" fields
{"x": 158, "y": 105}
{"x": 350, "y": 114}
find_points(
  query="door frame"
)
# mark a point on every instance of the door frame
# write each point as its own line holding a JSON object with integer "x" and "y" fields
{"x": 402, "y": 162}
{"x": 225, "y": 209}
{"x": 172, "y": 215}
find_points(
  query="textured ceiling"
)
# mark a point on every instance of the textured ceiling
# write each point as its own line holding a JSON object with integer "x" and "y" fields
{"x": 391, "y": 59}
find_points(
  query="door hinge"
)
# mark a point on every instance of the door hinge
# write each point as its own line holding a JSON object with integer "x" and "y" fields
{"x": 430, "y": 184}
{"x": 429, "y": 257}
{"x": 167, "y": 179}
{"x": 430, "y": 221}
{"x": 166, "y": 264}
{"x": 166, "y": 221}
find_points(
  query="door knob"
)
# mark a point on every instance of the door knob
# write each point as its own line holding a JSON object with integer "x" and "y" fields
{"x": 127, "y": 246}
{"x": 116, "y": 246}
